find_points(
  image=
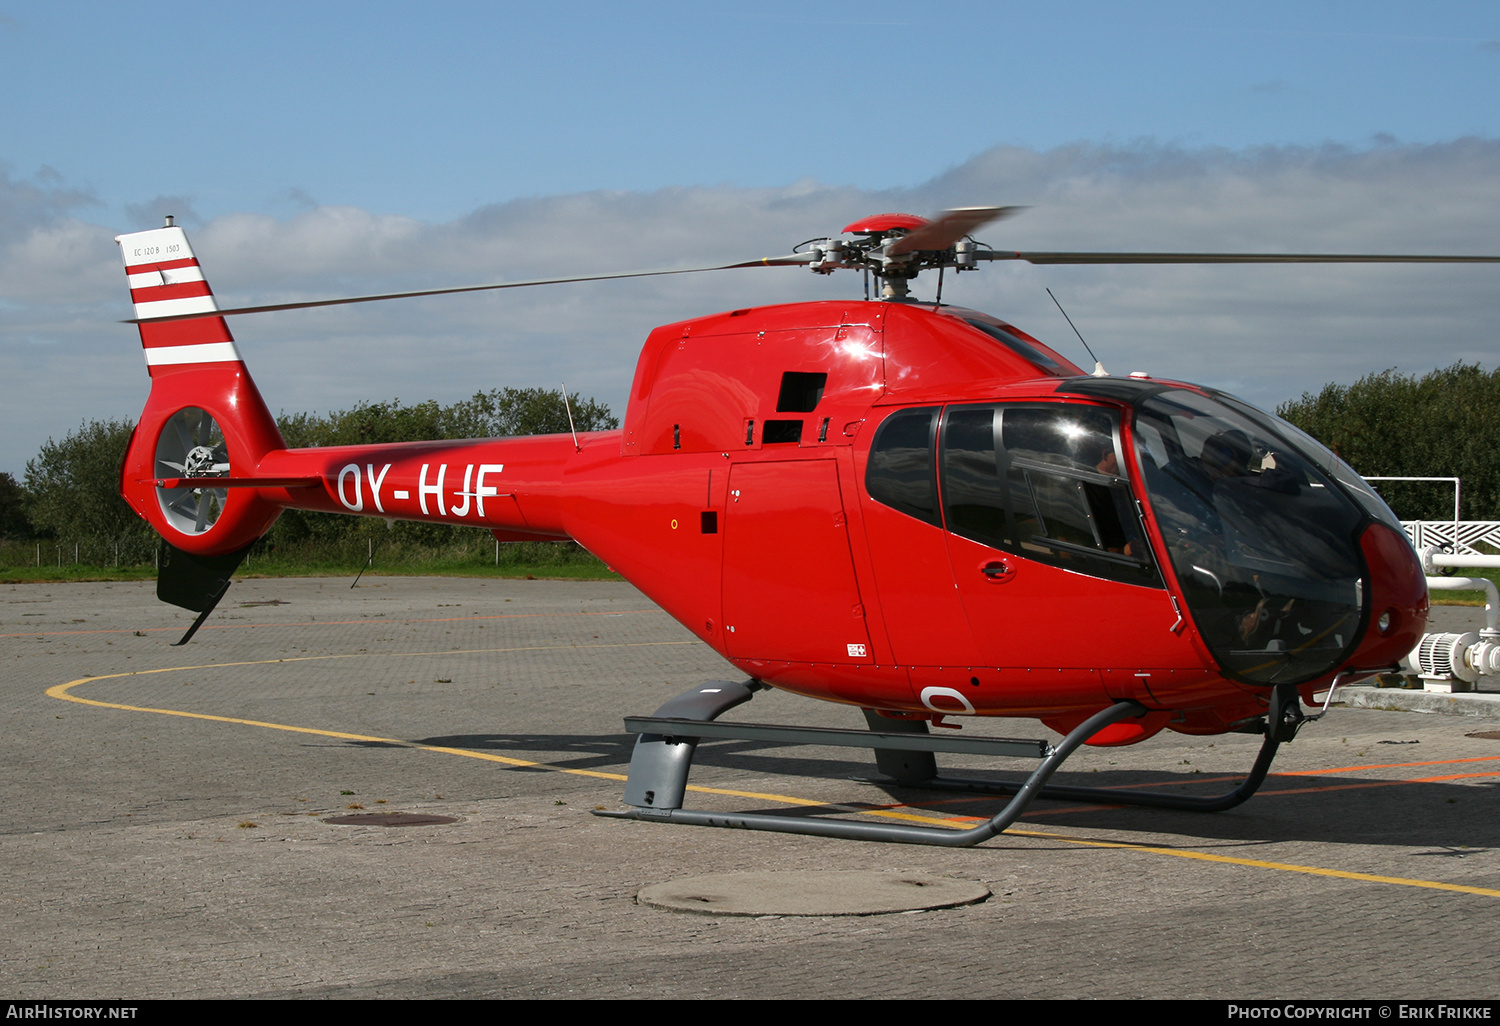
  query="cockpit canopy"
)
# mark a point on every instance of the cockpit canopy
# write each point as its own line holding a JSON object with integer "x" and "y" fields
{"x": 1264, "y": 542}
{"x": 1261, "y": 523}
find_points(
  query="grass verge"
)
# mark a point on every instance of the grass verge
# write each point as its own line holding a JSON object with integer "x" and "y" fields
{"x": 526, "y": 560}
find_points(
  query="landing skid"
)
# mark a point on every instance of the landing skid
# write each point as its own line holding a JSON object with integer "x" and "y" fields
{"x": 904, "y": 751}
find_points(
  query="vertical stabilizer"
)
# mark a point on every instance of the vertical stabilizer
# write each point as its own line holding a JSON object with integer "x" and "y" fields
{"x": 204, "y": 419}
{"x": 166, "y": 281}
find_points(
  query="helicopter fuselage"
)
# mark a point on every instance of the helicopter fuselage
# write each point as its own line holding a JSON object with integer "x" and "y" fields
{"x": 906, "y": 507}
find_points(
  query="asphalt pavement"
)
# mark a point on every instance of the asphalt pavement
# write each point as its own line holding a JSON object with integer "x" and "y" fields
{"x": 166, "y": 829}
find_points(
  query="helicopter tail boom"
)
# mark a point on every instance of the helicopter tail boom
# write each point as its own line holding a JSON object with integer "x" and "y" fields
{"x": 208, "y": 468}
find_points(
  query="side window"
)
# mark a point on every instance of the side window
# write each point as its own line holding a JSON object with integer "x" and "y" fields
{"x": 973, "y": 496}
{"x": 901, "y": 473}
{"x": 1051, "y": 489}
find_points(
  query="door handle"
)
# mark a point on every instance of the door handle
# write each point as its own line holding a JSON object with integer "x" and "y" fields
{"x": 997, "y": 571}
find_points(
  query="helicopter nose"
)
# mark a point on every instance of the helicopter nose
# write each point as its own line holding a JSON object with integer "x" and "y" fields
{"x": 1398, "y": 599}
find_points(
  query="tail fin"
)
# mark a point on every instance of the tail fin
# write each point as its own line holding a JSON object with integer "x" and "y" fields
{"x": 165, "y": 280}
{"x": 204, "y": 419}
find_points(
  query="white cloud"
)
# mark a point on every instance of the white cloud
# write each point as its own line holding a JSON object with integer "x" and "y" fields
{"x": 1267, "y": 332}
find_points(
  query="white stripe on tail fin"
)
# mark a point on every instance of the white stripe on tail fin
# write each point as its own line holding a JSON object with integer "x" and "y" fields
{"x": 165, "y": 280}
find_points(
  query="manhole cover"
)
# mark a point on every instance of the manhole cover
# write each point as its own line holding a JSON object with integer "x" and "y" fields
{"x": 390, "y": 819}
{"x": 1487, "y": 735}
{"x": 812, "y": 893}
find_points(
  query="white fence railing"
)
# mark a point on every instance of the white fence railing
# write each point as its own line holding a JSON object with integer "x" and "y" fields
{"x": 1462, "y": 536}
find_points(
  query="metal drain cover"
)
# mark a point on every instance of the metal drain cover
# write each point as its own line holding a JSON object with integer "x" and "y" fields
{"x": 811, "y": 893}
{"x": 390, "y": 819}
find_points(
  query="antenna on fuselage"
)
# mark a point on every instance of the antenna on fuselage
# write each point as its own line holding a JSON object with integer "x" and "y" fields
{"x": 569, "y": 407}
{"x": 1099, "y": 371}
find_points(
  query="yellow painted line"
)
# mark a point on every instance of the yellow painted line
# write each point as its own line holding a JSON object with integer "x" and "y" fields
{"x": 1379, "y": 783}
{"x": 961, "y": 822}
{"x": 486, "y": 756}
{"x": 862, "y": 810}
{"x": 1286, "y": 867}
{"x": 1385, "y": 765}
{"x": 62, "y": 691}
{"x": 760, "y": 797}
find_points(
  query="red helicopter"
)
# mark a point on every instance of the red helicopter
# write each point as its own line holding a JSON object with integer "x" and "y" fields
{"x": 912, "y": 508}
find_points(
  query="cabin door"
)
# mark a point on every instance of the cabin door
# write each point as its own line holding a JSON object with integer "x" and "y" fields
{"x": 789, "y": 587}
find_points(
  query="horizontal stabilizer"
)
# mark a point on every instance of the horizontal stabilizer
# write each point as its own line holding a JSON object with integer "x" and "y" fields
{"x": 235, "y": 482}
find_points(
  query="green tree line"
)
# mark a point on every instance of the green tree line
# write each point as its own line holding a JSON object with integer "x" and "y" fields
{"x": 1442, "y": 424}
{"x": 71, "y": 490}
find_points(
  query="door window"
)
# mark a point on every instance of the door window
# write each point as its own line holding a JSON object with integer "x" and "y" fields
{"x": 1044, "y": 482}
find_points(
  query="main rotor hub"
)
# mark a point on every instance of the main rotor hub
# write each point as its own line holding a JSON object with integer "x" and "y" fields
{"x": 898, "y": 247}
{"x": 882, "y": 223}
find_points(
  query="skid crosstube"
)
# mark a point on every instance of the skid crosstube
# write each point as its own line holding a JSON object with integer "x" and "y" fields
{"x": 666, "y": 742}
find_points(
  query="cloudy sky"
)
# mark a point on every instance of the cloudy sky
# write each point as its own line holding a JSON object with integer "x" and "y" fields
{"x": 319, "y": 149}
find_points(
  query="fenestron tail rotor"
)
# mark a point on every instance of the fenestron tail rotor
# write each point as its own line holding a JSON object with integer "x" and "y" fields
{"x": 894, "y": 248}
{"x": 191, "y": 445}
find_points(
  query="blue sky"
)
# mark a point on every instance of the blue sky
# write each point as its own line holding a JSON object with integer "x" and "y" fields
{"x": 388, "y": 145}
{"x": 430, "y": 112}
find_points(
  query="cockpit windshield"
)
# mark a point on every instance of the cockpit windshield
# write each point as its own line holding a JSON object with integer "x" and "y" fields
{"x": 1264, "y": 543}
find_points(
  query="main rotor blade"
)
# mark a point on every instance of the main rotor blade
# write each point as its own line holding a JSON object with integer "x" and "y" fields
{"x": 777, "y": 261}
{"x": 948, "y": 227}
{"x": 1232, "y": 258}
